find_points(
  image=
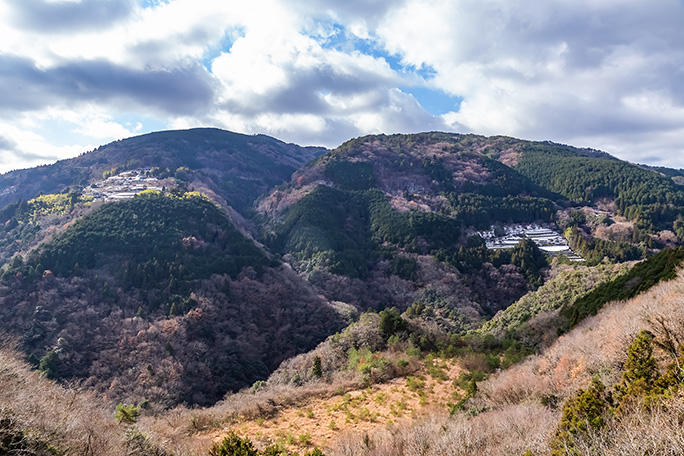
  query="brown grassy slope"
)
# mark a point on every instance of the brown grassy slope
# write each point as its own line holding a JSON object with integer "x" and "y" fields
{"x": 69, "y": 419}
{"x": 322, "y": 421}
{"x": 519, "y": 409}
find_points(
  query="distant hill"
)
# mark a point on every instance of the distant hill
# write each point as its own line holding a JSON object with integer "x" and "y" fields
{"x": 238, "y": 168}
{"x": 371, "y": 212}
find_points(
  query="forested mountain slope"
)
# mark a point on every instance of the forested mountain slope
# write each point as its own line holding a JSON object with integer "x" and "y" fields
{"x": 163, "y": 298}
{"x": 360, "y": 217}
{"x": 159, "y": 298}
{"x": 236, "y": 167}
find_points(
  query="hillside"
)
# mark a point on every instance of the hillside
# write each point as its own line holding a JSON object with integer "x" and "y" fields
{"x": 237, "y": 168}
{"x": 146, "y": 307}
{"x": 357, "y": 220}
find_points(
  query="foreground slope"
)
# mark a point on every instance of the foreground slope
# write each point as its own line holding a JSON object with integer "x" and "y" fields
{"x": 529, "y": 407}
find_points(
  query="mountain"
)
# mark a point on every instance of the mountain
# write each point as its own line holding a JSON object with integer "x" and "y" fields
{"x": 356, "y": 286}
{"x": 236, "y": 168}
{"x": 382, "y": 221}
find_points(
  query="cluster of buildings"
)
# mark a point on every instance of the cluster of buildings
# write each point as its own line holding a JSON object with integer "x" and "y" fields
{"x": 124, "y": 185}
{"x": 547, "y": 239}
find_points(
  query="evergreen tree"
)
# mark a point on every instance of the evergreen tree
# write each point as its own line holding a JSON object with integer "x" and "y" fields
{"x": 641, "y": 371}
{"x": 317, "y": 370}
{"x": 233, "y": 445}
{"x": 582, "y": 413}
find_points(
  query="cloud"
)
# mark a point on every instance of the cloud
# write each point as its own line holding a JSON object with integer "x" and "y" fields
{"x": 67, "y": 16}
{"x": 25, "y": 87}
{"x": 584, "y": 71}
{"x": 593, "y": 73}
{"x": 6, "y": 144}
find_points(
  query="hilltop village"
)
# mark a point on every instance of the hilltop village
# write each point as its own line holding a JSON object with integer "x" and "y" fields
{"x": 126, "y": 185}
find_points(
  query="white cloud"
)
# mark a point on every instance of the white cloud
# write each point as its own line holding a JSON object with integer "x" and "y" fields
{"x": 595, "y": 73}
{"x": 566, "y": 71}
{"x": 55, "y": 133}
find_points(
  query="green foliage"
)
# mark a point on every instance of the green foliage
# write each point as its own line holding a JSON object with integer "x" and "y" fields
{"x": 349, "y": 175}
{"x": 662, "y": 266}
{"x": 640, "y": 389}
{"x": 482, "y": 211}
{"x": 640, "y": 370}
{"x": 556, "y": 293}
{"x": 470, "y": 258}
{"x": 435, "y": 169}
{"x": 140, "y": 230}
{"x": 466, "y": 378}
{"x": 49, "y": 364}
{"x": 43, "y": 205}
{"x": 331, "y": 225}
{"x": 233, "y": 445}
{"x": 595, "y": 250}
{"x": 471, "y": 388}
{"x": 391, "y": 323}
{"x": 21, "y": 222}
{"x": 581, "y": 414}
{"x": 126, "y": 414}
{"x": 148, "y": 249}
{"x": 650, "y": 199}
{"x": 404, "y": 267}
{"x": 317, "y": 369}
{"x": 530, "y": 259}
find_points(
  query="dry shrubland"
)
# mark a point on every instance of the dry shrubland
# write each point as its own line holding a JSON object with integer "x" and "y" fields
{"x": 519, "y": 409}
{"x": 598, "y": 345}
{"x": 68, "y": 418}
{"x": 512, "y": 430}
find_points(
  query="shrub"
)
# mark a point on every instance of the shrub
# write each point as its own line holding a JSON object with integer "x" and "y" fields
{"x": 233, "y": 445}
{"x": 317, "y": 369}
{"x": 126, "y": 414}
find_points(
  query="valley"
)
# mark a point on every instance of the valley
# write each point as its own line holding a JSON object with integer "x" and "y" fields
{"x": 397, "y": 295}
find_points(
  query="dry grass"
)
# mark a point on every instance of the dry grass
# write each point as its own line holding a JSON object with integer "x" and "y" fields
{"x": 511, "y": 431}
{"x": 597, "y": 346}
{"x": 326, "y": 415}
{"x": 69, "y": 419}
{"x": 510, "y": 415}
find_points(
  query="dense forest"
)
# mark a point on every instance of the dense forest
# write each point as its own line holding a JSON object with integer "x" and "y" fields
{"x": 652, "y": 200}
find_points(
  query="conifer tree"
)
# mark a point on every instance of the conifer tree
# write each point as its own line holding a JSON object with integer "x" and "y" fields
{"x": 641, "y": 370}
{"x": 317, "y": 370}
{"x": 582, "y": 413}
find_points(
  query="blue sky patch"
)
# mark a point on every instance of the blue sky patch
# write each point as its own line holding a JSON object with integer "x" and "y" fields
{"x": 434, "y": 101}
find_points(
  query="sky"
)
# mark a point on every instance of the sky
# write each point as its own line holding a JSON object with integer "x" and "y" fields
{"x": 603, "y": 74}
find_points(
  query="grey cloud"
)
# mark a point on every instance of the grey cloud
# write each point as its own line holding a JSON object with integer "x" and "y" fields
{"x": 302, "y": 93}
{"x": 7, "y": 144}
{"x": 174, "y": 91}
{"x": 368, "y": 11}
{"x": 400, "y": 113}
{"x": 66, "y": 17}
